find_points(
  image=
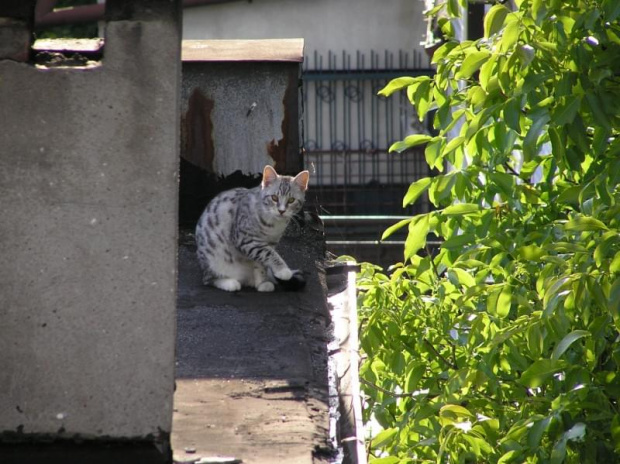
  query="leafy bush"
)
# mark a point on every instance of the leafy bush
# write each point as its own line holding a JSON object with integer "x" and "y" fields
{"x": 503, "y": 345}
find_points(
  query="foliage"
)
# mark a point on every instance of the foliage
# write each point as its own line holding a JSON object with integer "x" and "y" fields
{"x": 503, "y": 344}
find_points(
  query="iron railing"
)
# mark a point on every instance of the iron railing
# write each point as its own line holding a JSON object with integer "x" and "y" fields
{"x": 348, "y": 128}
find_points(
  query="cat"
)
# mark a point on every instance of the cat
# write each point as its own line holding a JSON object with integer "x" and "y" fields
{"x": 237, "y": 233}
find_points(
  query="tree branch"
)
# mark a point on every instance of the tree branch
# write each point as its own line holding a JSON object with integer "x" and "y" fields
{"x": 440, "y": 356}
{"x": 387, "y": 392}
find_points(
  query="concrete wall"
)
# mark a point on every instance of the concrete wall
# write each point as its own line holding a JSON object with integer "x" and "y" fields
{"x": 88, "y": 195}
{"x": 324, "y": 24}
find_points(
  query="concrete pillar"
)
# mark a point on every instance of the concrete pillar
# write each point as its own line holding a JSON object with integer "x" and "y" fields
{"x": 88, "y": 198}
{"x": 16, "y": 29}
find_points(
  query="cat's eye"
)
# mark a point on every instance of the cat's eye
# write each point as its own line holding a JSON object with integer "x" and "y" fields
{"x": 290, "y": 200}
{"x": 274, "y": 197}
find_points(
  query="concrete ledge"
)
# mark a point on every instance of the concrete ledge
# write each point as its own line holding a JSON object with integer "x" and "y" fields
{"x": 252, "y": 367}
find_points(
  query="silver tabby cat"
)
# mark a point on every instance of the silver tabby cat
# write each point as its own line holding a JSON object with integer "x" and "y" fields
{"x": 239, "y": 229}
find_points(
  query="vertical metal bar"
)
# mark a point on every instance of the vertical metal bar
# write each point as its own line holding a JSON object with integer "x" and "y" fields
{"x": 346, "y": 121}
{"x": 388, "y": 120}
{"x": 362, "y": 110}
{"x": 332, "y": 117}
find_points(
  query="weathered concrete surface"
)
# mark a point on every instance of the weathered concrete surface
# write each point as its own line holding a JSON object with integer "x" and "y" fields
{"x": 88, "y": 194}
{"x": 252, "y": 367}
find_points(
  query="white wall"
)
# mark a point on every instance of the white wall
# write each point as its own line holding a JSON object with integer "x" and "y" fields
{"x": 324, "y": 24}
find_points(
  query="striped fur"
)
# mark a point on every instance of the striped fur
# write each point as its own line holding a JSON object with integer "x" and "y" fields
{"x": 239, "y": 229}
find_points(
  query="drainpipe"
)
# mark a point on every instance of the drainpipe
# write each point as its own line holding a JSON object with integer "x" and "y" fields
{"x": 45, "y": 15}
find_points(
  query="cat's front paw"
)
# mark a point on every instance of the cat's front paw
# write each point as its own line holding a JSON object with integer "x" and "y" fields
{"x": 229, "y": 285}
{"x": 283, "y": 274}
{"x": 266, "y": 287}
{"x": 296, "y": 282}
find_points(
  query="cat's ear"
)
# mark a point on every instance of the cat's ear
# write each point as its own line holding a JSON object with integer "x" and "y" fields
{"x": 302, "y": 179}
{"x": 269, "y": 176}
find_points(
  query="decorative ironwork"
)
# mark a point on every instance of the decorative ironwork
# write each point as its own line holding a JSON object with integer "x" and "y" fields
{"x": 348, "y": 130}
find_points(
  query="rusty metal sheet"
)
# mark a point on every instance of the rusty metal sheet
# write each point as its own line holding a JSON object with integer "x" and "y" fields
{"x": 197, "y": 132}
{"x": 285, "y": 50}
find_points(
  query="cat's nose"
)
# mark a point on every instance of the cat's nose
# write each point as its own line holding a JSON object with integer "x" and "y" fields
{"x": 281, "y": 211}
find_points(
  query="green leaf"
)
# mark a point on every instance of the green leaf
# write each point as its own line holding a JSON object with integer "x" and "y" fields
{"x": 510, "y": 457}
{"x": 455, "y": 411}
{"x": 536, "y": 432}
{"x": 458, "y": 241}
{"x": 409, "y": 142}
{"x": 461, "y": 277}
{"x": 567, "y": 341}
{"x": 510, "y": 35}
{"x": 540, "y": 371}
{"x": 505, "y": 182}
{"x": 460, "y": 209}
{"x": 433, "y": 152}
{"x": 604, "y": 247}
{"x": 486, "y": 71}
{"x": 535, "y": 340}
{"x": 584, "y": 223}
{"x": 531, "y": 139}
{"x": 384, "y": 438}
{"x": 384, "y": 460}
{"x": 539, "y": 10}
{"x": 614, "y": 266}
{"x": 415, "y": 190}
{"x": 598, "y": 110}
{"x": 454, "y": 143}
{"x": 611, "y": 9}
{"x": 423, "y": 97}
{"x": 615, "y": 430}
{"x": 453, "y": 8}
{"x": 499, "y": 301}
{"x": 566, "y": 109}
{"x": 472, "y": 63}
{"x": 558, "y": 144}
{"x": 441, "y": 187}
{"x": 414, "y": 375}
{"x": 512, "y": 113}
{"x": 398, "y": 84}
{"x": 494, "y": 19}
{"x": 614, "y": 302}
{"x": 418, "y": 230}
{"x": 393, "y": 228}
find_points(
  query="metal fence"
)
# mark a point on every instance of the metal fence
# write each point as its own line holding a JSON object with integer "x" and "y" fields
{"x": 348, "y": 129}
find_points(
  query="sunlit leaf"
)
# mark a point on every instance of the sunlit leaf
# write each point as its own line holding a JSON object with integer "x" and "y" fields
{"x": 567, "y": 341}
{"x": 400, "y": 83}
{"x": 494, "y": 19}
{"x": 418, "y": 230}
{"x": 583, "y": 223}
{"x": 393, "y": 228}
{"x": 461, "y": 208}
{"x": 415, "y": 190}
{"x": 384, "y": 437}
{"x": 540, "y": 371}
{"x": 472, "y": 63}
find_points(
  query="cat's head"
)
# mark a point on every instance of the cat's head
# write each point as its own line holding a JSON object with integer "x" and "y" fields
{"x": 283, "y": 196}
